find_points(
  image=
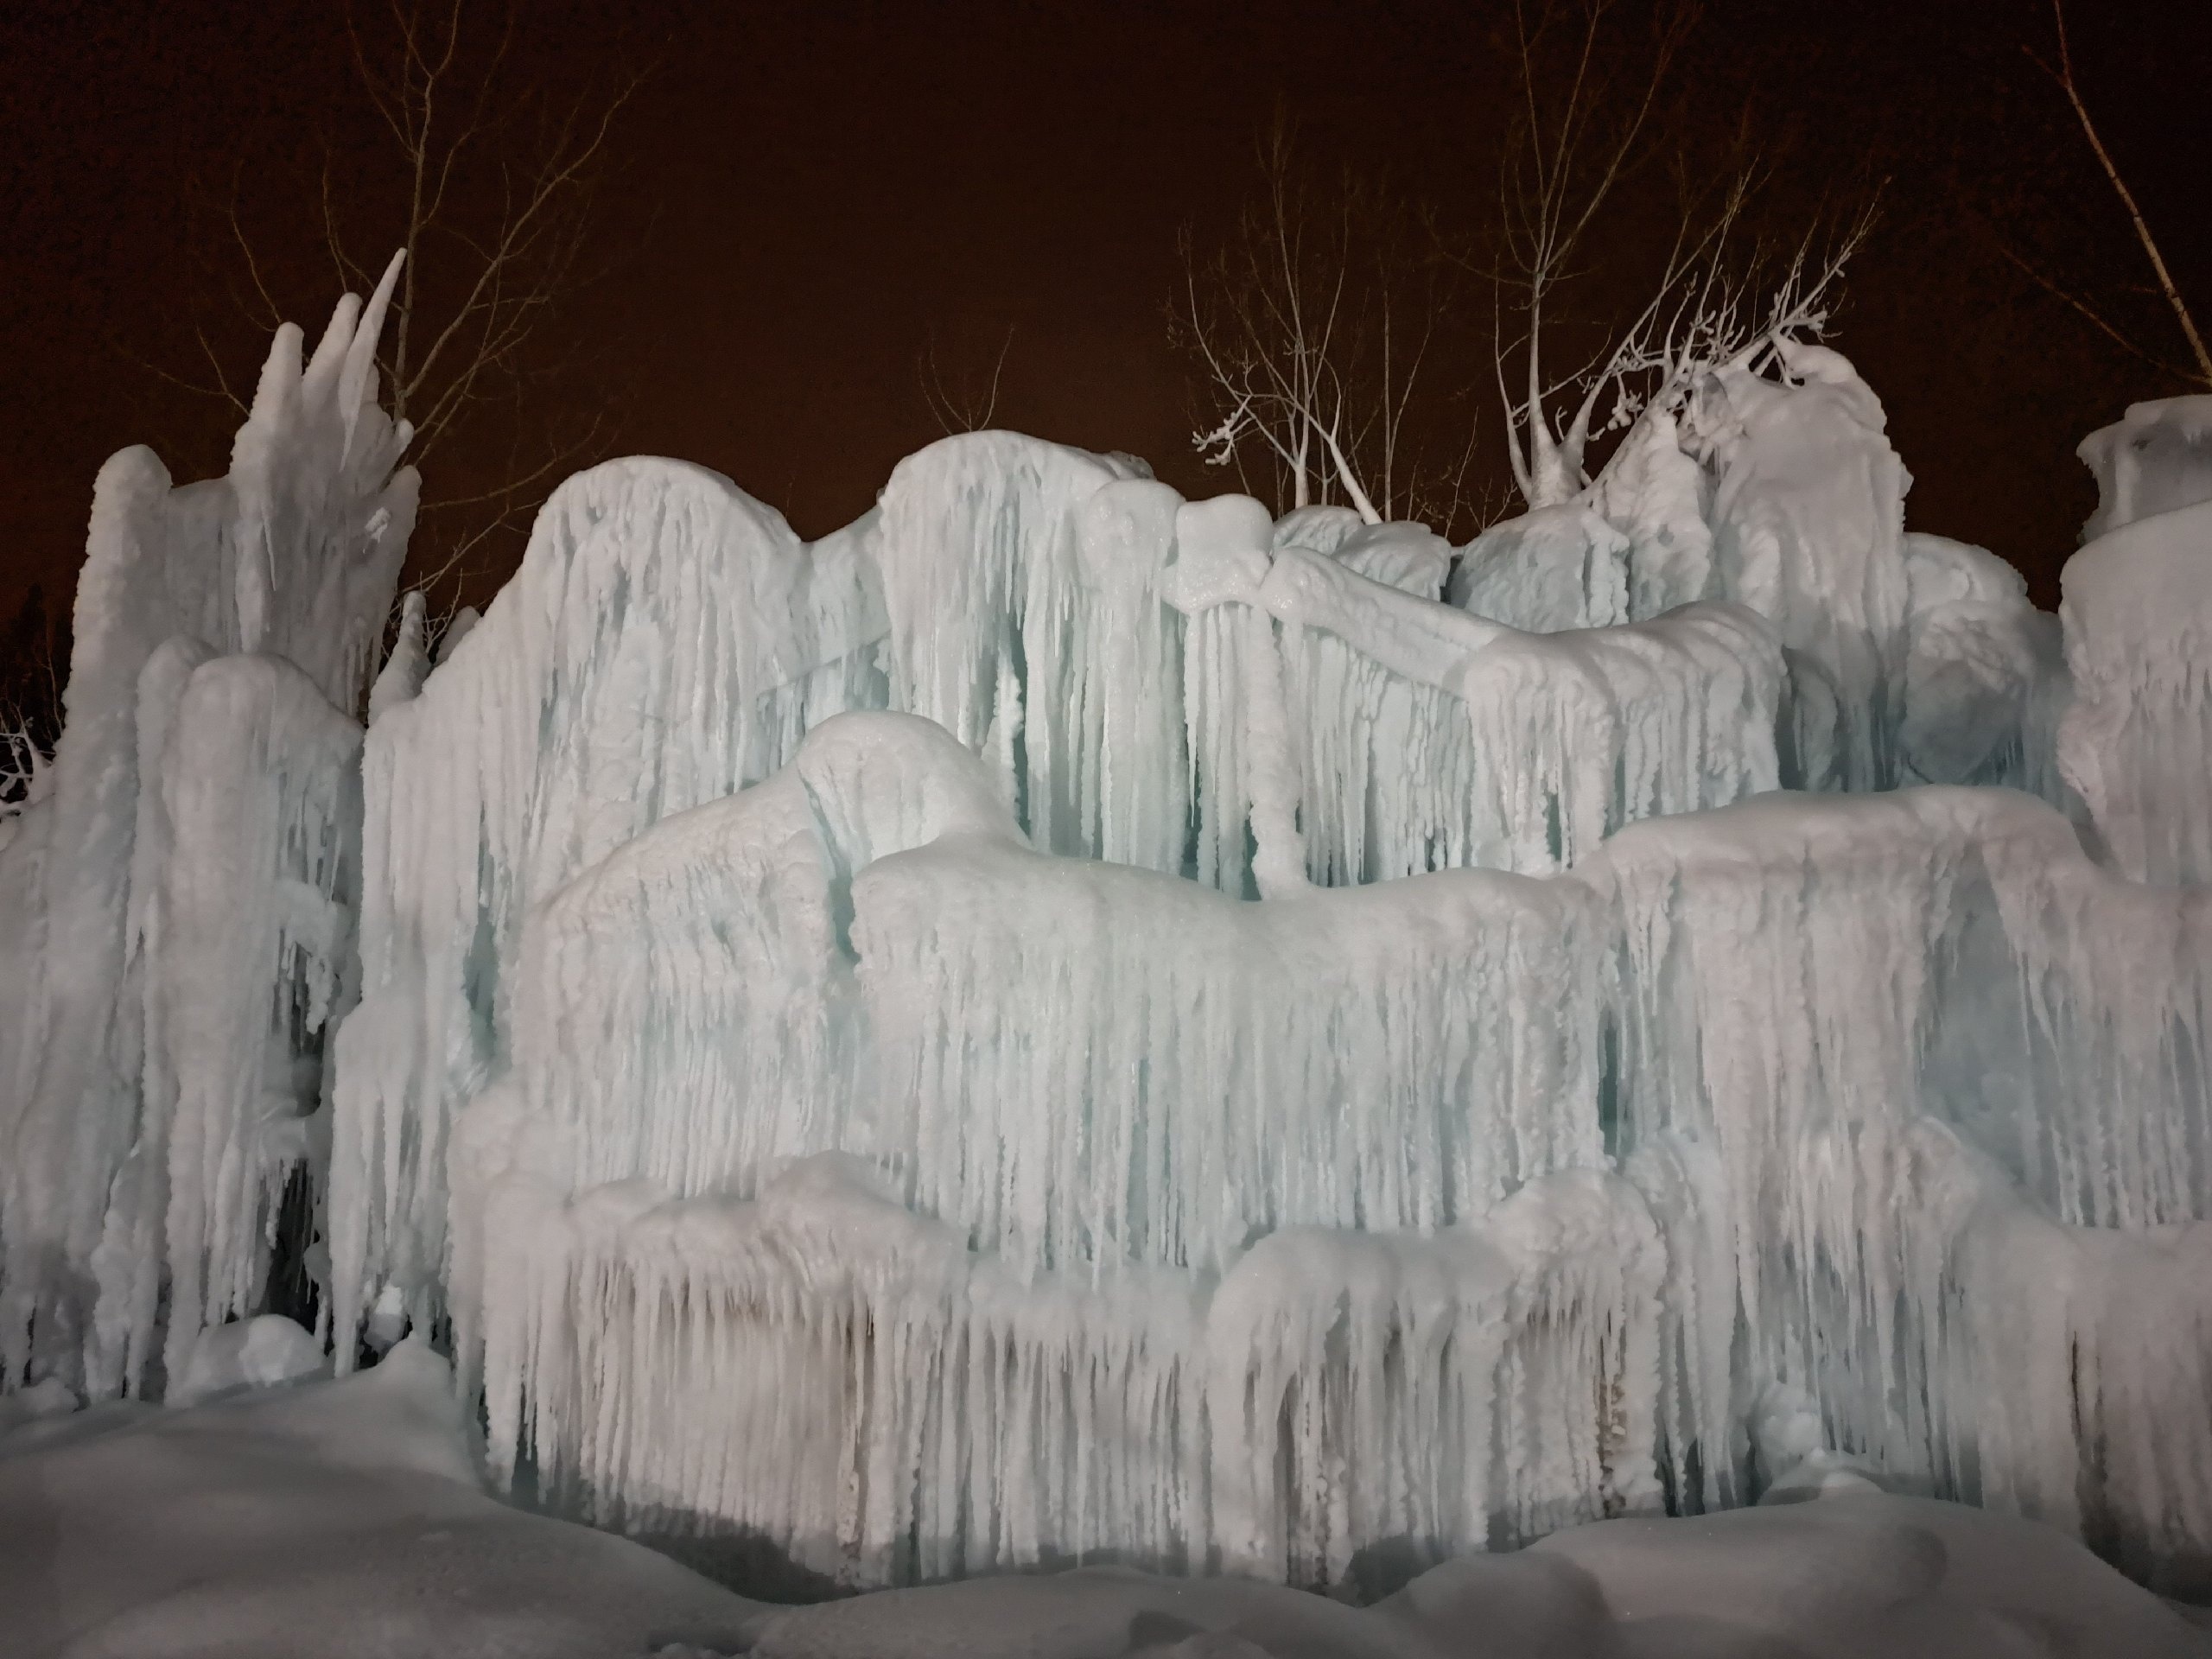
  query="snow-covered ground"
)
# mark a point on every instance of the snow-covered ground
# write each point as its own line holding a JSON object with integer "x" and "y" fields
{"x": 316, "y": 1520}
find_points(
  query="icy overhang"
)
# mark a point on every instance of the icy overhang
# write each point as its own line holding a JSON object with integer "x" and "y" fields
{"x": 2156, "y": 458}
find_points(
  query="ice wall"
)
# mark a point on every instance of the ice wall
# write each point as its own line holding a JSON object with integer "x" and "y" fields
{"x": 1150, "y": 1182}
{"x": 2137, "y": 741}
{"x": 247, "y": 937}
{"x": 865, "y": 943}
{"x": 1865, "y": 1038}
{"x": 294, "y": 553}
{"x": 667, "y": 640}
{"x": 996, "y": 1339}
{"x": 1420, "y": 737}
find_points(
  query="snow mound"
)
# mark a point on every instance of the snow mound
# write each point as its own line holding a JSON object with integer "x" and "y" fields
{"x": 322, "y": 1520}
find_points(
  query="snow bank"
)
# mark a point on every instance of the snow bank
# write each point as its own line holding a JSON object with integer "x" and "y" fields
{"x": 333, "y": 1520}
{"x": 323, "y": 1521}
{"x": 1839, "y": 1579}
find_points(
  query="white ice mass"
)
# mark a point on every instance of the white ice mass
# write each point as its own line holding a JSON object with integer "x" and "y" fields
{"x": 1062, "y": 1023}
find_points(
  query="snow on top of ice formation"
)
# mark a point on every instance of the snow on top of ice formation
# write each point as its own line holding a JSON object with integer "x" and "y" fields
{"x": 294, "y": 554}
{"x": 2156, "y": 458}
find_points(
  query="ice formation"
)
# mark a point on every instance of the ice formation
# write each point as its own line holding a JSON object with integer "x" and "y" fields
{"x": 291, "y": 556}
{"x": 678, "y": 638}
{"x": 2138, "y": 638}
{"x": 1058, "y": 1021}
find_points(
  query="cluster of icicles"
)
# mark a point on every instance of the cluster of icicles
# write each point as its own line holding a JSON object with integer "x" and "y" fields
{"x": 1062, "y": 1022}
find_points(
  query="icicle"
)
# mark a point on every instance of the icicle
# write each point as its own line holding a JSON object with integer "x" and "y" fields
{"x": 668, "y": 640}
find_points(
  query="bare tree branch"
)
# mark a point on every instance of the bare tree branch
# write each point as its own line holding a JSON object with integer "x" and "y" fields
{"x": 971, "y": 408}
{"x": 1308, "y": 342}
{"x": 2064, "y": 74}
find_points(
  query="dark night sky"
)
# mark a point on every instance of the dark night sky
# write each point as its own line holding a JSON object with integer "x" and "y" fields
{"x": 806, "y": 193}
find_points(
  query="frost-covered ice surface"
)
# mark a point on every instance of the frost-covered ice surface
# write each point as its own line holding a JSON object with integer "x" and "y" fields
{"x": 187, "y": 866}
{"x": 1059, "y": 1024}
{"x": 2138, "y": 614}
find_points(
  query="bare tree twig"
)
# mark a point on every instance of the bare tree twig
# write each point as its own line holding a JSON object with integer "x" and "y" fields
{"x": 2064, "y": 74}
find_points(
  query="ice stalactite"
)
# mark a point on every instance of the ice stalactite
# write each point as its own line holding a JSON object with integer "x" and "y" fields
{"x": 2137, "y": 615}
{"x": 667, "y": 640}
{"x": 822, "y": 1365}
{"x": 295, "y": 554}
{"x": 1021, "y": 579}
{"x": 251, "y": 964}
{"x": 1848, "y": 1034}
{"x": 1428, "y": 738}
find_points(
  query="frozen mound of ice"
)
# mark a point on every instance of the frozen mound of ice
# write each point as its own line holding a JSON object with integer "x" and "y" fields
{"x": 667, "y": 640}
{"x": 2155, "y": 459}
{"x": 2137, "y": 741}
{"x": 1985, "y": 676}
{"x": 245, "y": 900}
{"x": 292, "y": 555}
{"x": 1389, "y": 736}
{"x": 1657, "y": 496}
{"x": 823, "y": 1366}
{"x": 1021, "y": 579}
{"x": 1555, "y": 567}
{"x": 1867, "y": 1049}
